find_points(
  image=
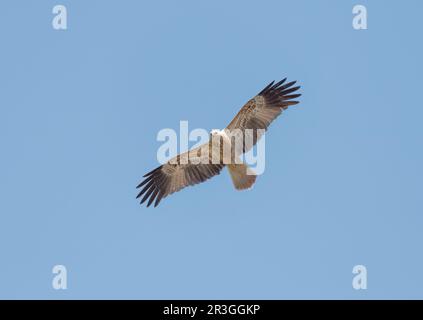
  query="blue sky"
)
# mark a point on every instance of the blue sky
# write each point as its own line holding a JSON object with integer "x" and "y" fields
{"x": 80, "y": 110}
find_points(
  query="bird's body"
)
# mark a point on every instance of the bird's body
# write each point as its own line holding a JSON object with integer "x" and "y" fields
{"x": 204, "y": 162}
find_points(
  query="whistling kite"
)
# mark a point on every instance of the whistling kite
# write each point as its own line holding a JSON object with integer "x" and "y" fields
{"x": 189, "y": 168}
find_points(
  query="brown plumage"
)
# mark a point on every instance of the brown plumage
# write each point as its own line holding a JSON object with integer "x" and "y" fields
{"x": 261, "y": 110}
{"x": 188, "y": 169}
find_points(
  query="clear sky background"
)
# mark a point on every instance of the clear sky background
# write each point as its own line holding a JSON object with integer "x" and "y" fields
{"x": 80, "y": 110}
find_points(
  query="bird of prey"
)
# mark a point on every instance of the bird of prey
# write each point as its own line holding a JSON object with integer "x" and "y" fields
{"x": 196, "y": 165}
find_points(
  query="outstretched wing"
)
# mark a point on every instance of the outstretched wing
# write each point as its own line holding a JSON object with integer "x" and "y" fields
{"x": 261, "y": 110}
{"x": 184, "y": 170}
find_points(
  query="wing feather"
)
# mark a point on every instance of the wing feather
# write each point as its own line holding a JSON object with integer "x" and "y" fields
{"x": 260, "y": 111}
{"x": 174, "y": 176}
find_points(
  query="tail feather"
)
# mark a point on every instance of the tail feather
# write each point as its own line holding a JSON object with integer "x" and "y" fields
{"x": 242, "y": 176}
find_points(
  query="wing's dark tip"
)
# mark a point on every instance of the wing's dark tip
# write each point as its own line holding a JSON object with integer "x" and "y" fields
{"x": 290, "y": 90}
{"x": 148, "y": 176}
{"x": 267, "y": 87}
{"x": 144, "y": 182}
{"x": 278, "y": 84}
{"x": 292, "y": 96}
{"x": 153, "y": 196}
{"x": 154, "y": 185}
{"x": 152, "y": 171}
{"x": 280, "y": 94}
{"x": 159, "y": 197}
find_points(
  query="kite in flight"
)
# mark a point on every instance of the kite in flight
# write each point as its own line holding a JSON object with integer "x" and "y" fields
{"x": 199, "y": 164}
